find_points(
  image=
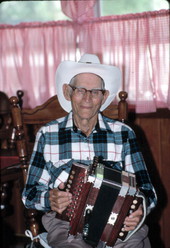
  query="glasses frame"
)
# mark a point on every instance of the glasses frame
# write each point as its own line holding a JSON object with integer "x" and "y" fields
{"x": 91, "y": 91}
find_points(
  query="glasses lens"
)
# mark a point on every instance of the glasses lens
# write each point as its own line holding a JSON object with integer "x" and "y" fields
{"x": 80, "y": 91}
{"x": 96, "y": 93}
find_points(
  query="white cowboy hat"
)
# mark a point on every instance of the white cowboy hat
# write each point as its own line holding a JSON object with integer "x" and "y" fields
{"x": 89, "y": 63}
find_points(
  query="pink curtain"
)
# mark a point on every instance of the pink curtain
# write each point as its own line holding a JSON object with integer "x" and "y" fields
{"x": 78, "y": 10}
{"x": 138, "y": 44}
{"x": 29, "y": 56}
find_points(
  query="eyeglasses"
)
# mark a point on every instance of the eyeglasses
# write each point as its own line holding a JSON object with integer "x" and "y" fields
{"x": 78, "y": 91}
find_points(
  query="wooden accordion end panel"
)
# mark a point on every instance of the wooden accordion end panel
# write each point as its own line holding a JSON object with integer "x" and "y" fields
{"x": 102, "y": 198}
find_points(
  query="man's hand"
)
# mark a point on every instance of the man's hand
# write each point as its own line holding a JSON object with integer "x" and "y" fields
{"x": 133, "y": 219}
{"x": 59, "y": 200}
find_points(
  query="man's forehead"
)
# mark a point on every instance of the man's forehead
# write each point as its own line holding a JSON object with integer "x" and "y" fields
{"x": 86, "y": 77}
{"x": 87, "y": 74}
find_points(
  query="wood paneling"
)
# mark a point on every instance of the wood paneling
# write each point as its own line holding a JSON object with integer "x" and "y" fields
{"x": 153, "y": 132}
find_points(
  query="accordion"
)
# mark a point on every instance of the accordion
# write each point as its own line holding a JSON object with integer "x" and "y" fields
{"x": 102, "y": 198}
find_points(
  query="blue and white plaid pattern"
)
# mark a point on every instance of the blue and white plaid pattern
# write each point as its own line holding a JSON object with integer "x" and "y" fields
{"x": 59, "y": 143}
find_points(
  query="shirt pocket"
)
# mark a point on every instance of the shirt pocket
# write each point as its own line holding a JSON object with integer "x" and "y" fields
{"x": 57, "y": 168}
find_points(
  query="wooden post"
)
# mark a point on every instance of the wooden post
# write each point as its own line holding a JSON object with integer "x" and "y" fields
{"x": 30, "y": 214}
{"x": 123, "y": 106}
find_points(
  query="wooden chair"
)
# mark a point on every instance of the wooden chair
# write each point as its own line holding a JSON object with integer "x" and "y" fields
{"x": 28, "y": 121}
{"x": 7, "y": 135}
{"x": 10, "y": 175}
{"x": 5, "y": 122}
{"x": 7, "y": 150}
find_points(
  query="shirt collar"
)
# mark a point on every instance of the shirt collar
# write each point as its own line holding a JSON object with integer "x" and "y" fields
{"x": 101, "y": 124}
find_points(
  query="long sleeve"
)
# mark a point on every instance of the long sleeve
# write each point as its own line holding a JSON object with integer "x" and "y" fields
{"x": 134, "y": 159}
{"x": 36, "y": 193}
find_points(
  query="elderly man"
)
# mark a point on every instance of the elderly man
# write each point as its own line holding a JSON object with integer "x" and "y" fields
{"x": 84, "y": 89}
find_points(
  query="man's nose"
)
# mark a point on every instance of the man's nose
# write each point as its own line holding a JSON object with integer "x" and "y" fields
{"x": 87, "y": 96}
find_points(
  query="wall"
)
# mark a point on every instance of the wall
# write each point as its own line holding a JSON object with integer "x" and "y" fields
{"x": 153, "y": 132}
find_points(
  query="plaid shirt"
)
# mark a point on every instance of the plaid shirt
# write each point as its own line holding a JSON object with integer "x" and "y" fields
{"x": 59, "y": 143}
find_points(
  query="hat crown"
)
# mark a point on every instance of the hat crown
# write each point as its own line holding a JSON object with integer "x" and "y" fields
{"x": 89, "y": 59}
{"x": 88, "y": 63}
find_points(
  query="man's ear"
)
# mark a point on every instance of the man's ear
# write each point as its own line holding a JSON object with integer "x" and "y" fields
{"x": 106, "y": 94}
{"x": 66, "y": 92}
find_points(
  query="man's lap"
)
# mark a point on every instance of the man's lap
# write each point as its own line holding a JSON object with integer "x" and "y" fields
{"x": 58, "y": 236}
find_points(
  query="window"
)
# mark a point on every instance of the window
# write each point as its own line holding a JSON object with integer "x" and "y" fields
{"x": 14, "y": 12}
{"x": 114, "y": 7}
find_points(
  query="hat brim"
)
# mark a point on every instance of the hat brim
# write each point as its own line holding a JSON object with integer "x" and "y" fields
{"x": 68, "y": 69}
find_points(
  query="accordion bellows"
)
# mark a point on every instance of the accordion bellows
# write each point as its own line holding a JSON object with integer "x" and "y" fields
{"x": 102, "y": 198}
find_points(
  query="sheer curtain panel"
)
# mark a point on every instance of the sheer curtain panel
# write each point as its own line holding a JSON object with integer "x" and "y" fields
{"x": 29, "y": 56}
{"x": 137, "y": 43}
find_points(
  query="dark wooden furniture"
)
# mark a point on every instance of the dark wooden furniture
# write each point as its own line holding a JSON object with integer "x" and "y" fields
{"x": 8, "y": 154}
{"x": 7, "y": 133}
{"x": 10, "y": 175}
{"x": 5, "y": 122}
{"x": 9, "y": 160}
{"x": 10, "y": 172}
{"x": 28, "y": 121}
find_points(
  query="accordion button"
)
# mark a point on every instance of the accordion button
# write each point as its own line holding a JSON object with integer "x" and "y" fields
{"x": 135, "y": 201}
{"x": 133, "y": 207}
{"x": 121, "y": 234}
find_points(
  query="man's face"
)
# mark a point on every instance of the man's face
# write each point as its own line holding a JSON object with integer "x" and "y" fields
{"x": 86, "y": 106}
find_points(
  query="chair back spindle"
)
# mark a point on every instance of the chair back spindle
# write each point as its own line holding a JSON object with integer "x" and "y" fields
{"x": 123, "y": 106}
{"x": 20, "y": 136}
